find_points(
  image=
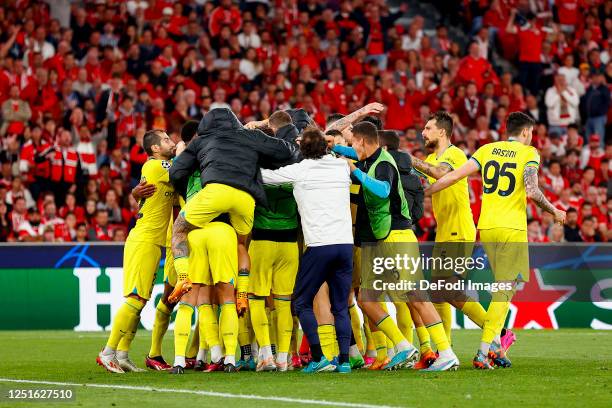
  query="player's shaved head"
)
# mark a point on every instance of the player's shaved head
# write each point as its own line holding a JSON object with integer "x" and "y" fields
{"x": 151, "y": 138}
{"x": 375, "y": 120}
{"x": 279, "y": 119}
{"x": 334, "y": 117}
{"x": 366, "y": 131}
{"x": 389, "y": 139}
{"x": 189, "y": 130}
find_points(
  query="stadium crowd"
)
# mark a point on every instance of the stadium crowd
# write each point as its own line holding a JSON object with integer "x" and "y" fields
{"x": 79, "y": 87}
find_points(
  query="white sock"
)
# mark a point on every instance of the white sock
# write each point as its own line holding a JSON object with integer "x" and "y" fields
{"x": 202, "y": 355}
{"x": 497, "y": 339}
{"x": 371, "y": 353}
{"x": 179, "y": 361}
{"x": 281, "y": 357}
{"x": 447, "y": 354}
{"x": 254, "y": 349}
{"x": 401, "y": 346}
{"x": 216, "y": 354}
{"x": 121, "y": 355}
{"x": 266, "y": 352}
{"x": 354, "y": 351}
{"x": 484, "y": 347}
{"x": 230, "y": 360}
{"x": 390, "y": 352}
{"x": 108, "y": 351}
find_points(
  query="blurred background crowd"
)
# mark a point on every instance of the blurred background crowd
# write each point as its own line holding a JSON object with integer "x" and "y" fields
{"x": 80, "y": 82}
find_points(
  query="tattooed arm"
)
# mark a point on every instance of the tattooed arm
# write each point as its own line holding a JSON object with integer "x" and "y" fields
{"x": 180, "y": 229}
{"x": 530, "y": 178}
{"x": 341, "y": 124}
{"x": 430, "y": 169}
{"x": 470, "y": 167}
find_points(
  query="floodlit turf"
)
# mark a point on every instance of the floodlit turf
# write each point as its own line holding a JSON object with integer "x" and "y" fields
{"x": 551, "y": 368}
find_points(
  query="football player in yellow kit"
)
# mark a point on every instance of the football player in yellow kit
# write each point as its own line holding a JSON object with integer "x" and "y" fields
{"x": 456, "y": 231}
{"x": 142, "y": 252}
{"x": 509, "y": 171}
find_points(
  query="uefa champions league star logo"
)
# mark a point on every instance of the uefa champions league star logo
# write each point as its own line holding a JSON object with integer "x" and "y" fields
{"x": 79, "y": 254}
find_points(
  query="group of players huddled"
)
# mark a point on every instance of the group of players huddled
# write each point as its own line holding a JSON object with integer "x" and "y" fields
{"x": 275, "y": 217}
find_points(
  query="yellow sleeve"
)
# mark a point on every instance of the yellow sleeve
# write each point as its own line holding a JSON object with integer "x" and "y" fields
{"x": 452, "y": 158}
{"x": 156, "y": 171}
{"x": 533, "y": 158}
{"x": 479, "y": 156}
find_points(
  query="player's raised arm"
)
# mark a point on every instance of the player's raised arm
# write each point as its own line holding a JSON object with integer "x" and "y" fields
{"x": 370, "y": 109}
{"x": 470, "y": 167}
{"x": 530, "y": 178}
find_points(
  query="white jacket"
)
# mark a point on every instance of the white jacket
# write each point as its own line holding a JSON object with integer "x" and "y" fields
{"x": 322, "y": 191}
{"x": 553, "y": 105}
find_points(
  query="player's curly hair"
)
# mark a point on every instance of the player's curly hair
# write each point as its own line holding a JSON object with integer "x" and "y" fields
{"x": 313, "y": 144}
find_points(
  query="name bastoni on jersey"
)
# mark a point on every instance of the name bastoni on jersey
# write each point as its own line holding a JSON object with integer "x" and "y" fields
{"x": 504, "y": 152}
{"x": 423, "y": 284}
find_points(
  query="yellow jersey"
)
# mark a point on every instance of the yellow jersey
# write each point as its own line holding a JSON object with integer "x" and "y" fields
{"x": 451, "y": 206}
{"x": 154, "y": 213}
{"x": 504, "y": 200}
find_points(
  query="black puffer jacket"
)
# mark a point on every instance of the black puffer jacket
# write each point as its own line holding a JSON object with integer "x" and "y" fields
{"x": 411, "y": 183}
{"x": 227, "y": 153}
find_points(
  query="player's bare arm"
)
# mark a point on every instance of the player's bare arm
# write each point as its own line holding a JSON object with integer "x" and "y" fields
{"x": 370, "y": 109}
{"x": 530, "y": 178}
{"x": 430, "y": 169}
{"x": 447, "y": 180}
{"x": 143, "y": 190}
{"x": 180, "y": 229}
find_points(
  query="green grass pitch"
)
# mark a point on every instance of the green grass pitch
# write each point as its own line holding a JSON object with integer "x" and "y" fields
{"x": 550, "y": 368}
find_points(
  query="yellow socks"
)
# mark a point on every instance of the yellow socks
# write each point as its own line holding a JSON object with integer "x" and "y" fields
{"x": 271, "y": 313}
{"x": 209, "y": 326}
{"x": 370, "y": 344}
{"x": 228, "y": 322}
{"x": 424, "y": 340}
{"x": 356, "y": 327}
{"x": 125, "y": 321}
{"x": 162, "y": 319}
{"x": 327, "y": 340}
{"x": 475, "y": 312}
{"x": 182, "y": 328}
{"x": 181, "y": 265}
{"x": 494, "y": 320}
{"x": 380, "y": 342}
{"x": 284, "y": 324}
{"x": 194, "y": 342}
{"x": 438, "y": 336}
{"x": 404, "y": 321}
{"x": 389, "y": 328}
{"x": 259, "y": 321}
{"x": 445, "y": 312}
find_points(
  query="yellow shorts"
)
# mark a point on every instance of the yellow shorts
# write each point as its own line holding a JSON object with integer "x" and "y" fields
{"x": 508, "y": 253}
{"x": 169, "y": 271}
{"x": 215, "y": 199}
{"x": 274, "y": 266}
{"x": 442, "y": 251}
{"x": 213, "y": 254}
{"x": 402, "y": 243}
{"x": 140, "y": 266}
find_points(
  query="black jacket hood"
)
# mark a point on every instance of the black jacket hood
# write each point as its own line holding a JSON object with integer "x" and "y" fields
{"x": 219, "y": 119}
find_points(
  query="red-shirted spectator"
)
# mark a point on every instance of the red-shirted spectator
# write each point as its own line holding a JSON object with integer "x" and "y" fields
{"x": 226, "y": 14}
{"x": 400, "y": 114}
{"x": 474, "y": 68}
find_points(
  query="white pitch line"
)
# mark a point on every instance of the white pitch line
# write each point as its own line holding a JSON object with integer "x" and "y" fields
{"x": 197, "y": 392}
